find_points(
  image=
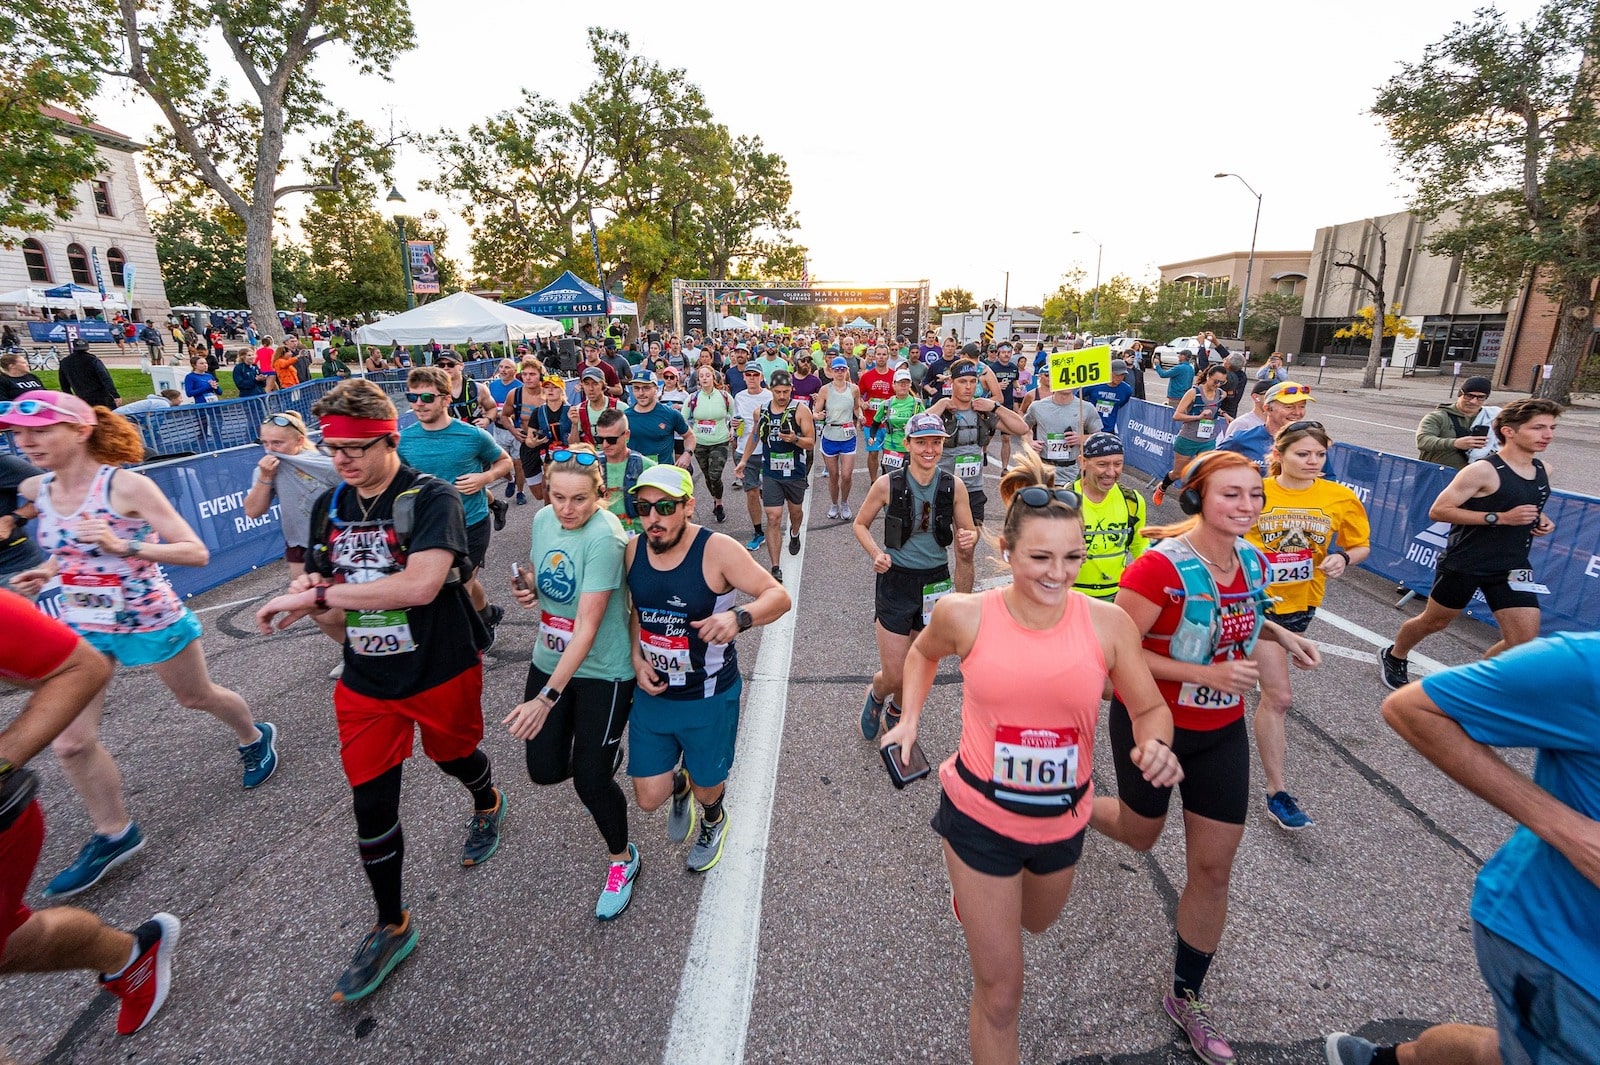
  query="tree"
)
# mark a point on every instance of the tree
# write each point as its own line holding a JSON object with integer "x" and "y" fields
{"x": 1267, "y": 312}
{"x": 1500, "y": 124}
{"x": 1167, "y": 311}
{"x": 48, "y": 53}
{"x": 234, "y": 146}
{"x": 747, "y": 213}
{"x": 1370, "y": 282}
{"x": 1362, "y": 328}
{"x": 201, "y": 247}
{"x": 959, "y": 300}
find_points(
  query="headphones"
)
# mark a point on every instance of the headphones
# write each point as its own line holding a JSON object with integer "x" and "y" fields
{"x": 1189, "y": 500}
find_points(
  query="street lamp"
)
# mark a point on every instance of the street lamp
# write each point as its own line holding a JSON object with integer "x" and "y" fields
{"x": 397, "y": 203}
{"x": 1251, "y": 266}
{"x": 1099, "y": 251}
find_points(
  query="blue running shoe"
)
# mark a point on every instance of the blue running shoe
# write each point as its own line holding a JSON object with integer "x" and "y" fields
{"x": 386, "y": 946}
{"x": 755, "y": 542}
{"x": 1282, "y": 808}
{"x": 870, "y": 712}
{"x": 261, "y": 757}
{"x": 483, "y": 832}
{"x": 98, "y": 857}
{"x": 1345, "y": 1049}
{"x": 618, "y": 891}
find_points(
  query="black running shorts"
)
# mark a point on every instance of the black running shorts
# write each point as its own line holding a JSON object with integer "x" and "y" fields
{"x": 1216, "y": 770}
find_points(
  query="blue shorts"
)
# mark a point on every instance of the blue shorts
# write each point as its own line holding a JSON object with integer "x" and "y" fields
{"x": 876, "y": 437}
{"x": 839, "y": 447}
{"x": 1542, "y": 1016}
{"x": 150, "y": 647}
{"x": 703, "y": 731}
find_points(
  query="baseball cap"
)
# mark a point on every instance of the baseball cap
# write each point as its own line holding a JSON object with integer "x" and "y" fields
{"x": 902, "y": 374}
{"x": 924, "y": 424}
{"x": 966, "y": 369}
{"x": 39, "y": 407}
{"x": 971, "y": 348}
{"x": 741, "y": 346}
{"x": 753, "y": 369}
{"x": 447, "y": 357}
{"x": 839, "y": 364}
{"x": 1118, "y": 366}
{"x": 1004, "y": 345}
{"x": 592, "y": 373}
{"x": 670, "y": 371}
{"x": 673, "y": 480}
{"x": 642, "y": 376}
{"x": 1289, "y": 392}
{"x": 1101, "y": 444}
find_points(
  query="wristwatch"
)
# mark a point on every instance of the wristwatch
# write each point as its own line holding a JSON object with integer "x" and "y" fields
{"x": 1342, "y": 553}
{"x": 553, "y": 694}
{"x": 1491, "y": 518}
{"x": 320, "y": 596}
{"x": 742, "y": 616}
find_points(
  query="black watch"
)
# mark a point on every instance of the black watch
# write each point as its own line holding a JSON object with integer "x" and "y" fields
{"x": 553, "y": 694}
{"x": 1342, "y": 553}
{"x": 742, "y": 616}
{"x": 1491, "y": 518}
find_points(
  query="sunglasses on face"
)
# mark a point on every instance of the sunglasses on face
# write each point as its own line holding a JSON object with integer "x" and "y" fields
{"x": 607, "y": 440}
{"x": 350, "y": 451}
{"x": 1297, "y": 426}
{"x": 421, "y": 397}
{"x": 1037, "y": 497}
{"x": 582, "y": 458}
{"x": 663, "y": 507}
{"x": 447, "y": 364}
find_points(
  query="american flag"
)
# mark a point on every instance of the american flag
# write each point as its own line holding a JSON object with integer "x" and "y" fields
{"x": 805, "y": 272}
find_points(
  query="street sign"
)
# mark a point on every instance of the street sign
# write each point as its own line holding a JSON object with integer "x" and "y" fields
{"x": 946, "y": 310}
{"x": 1081, "y": 368}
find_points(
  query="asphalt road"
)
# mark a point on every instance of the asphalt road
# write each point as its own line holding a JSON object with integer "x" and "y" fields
{"x": 824, "y": 936}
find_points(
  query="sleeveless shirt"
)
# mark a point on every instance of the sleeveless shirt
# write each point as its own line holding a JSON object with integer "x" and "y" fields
{"x": 667, "y": 600}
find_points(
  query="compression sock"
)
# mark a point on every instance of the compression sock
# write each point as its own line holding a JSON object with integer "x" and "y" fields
{"x": 714, "y": 809}
{"x": 1385, "y": 1056}
{"x": 1189, "y": 969}
{"x": 381, "y": 859}
{"x": 477, "y": 776}
{"x": 758, "y": 530}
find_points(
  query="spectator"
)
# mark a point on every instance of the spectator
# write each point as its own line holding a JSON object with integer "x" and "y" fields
{"x": 14, "y": 376}
{"x": 1180, "y": 378}
{"x": 1274, "y": 370}
{"x": 166, "y": 399}
{"x": 8, "y": 336}
{"x": 1446, "y": 434}
{"x": 333, "y": 364}
{"x": 85, "y": 376}
{"x": 302, "y": 365}
{"x": 246, "y": 377}
{"x": 287, "y": 367}
{"x": 1233, "y": 387}
{"x": 152, "y": 342}
{"x": 201, "y": 384}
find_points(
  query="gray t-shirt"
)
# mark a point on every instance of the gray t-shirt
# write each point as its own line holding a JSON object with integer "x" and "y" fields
{"x": 1051, "y": 421}
{"x": 297, "y": 484}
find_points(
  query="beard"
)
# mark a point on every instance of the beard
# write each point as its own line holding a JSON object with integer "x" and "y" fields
{"x": 662, "y": 547}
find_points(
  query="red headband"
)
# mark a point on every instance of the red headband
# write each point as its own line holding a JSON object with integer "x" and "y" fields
{"x": 344, "y": 427}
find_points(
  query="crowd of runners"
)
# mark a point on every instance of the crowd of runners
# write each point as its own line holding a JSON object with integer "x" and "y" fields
{"x": 638, "y": 612}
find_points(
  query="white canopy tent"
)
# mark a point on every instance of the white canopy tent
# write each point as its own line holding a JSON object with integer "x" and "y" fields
{"x": 732, "y": 322}
{"x": 860, "y": 323}
{"x": 459, "y": 318}
{"x": 35, "y": 299}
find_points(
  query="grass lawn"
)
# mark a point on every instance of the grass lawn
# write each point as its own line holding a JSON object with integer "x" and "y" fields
{"x": 134, "y": 384}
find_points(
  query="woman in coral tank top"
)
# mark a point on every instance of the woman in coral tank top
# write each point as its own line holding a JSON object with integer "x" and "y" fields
{"x": 1017, "y": 795}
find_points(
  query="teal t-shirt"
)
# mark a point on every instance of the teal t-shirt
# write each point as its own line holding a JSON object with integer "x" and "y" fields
{"x": 567, "y": 563}
{"x": 448, "y": 453}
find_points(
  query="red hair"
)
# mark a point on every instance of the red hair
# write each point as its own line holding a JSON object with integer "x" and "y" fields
{"x": 1199, "y": 474}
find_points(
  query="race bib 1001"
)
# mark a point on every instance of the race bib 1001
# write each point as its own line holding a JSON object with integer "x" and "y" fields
{"x": 893, "y": 460}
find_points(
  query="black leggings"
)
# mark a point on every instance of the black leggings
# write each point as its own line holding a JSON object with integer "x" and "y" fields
{"x": 582, "y": 739}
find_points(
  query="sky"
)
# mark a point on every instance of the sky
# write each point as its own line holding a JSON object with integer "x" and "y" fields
{"x": 956, "y": 142}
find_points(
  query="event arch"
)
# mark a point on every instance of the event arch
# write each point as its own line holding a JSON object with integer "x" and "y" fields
{"x": 694, "y": 301}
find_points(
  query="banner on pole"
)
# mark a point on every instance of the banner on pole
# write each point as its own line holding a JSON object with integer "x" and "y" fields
{"x": 127, "y": 284}
{"x": 694, "y": 311}
{"x": 424, "y": 270}
{"x": 907, "y": 313}
{"x": 99, "y": 277}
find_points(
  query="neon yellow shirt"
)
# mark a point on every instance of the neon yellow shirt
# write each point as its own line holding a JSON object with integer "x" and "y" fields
{"x": 1115, "y": 536}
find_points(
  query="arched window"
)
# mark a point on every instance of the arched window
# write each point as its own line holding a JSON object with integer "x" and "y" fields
{"x": 78, "y": 260}
{"x": 38, "y": 264}
{"x": 115, "y": 261}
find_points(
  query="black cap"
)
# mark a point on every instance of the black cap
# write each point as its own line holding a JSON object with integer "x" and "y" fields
{"x": 971, "y": 349}
{"x": 80, "y": 345}
{"x": 1477, "y": 384}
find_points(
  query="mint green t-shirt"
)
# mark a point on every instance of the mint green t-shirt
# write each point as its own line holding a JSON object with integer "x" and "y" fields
{"x": 568, "y": 563}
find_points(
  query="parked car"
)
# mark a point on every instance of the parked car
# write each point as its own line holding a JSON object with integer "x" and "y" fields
{"x": 1167, "y": 354}
{"x": 1120, "y": 345}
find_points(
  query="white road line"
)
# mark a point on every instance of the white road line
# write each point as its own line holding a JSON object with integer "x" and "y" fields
{"x": 1420, "y": 664}
{"x": 224, "y": 606}
{"x": 719, "y": 975}
{"x": 1407, "y": 429}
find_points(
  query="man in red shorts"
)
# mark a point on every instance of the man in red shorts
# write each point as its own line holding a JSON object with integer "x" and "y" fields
{"x": 64, "y": 673}
{"x": 388, "y": 550}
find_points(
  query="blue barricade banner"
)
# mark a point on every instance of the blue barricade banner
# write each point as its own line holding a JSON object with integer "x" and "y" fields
{"x": 94, "y": 330}
{"x": 1147, "y": 431}
{"x": 209, "y": 492}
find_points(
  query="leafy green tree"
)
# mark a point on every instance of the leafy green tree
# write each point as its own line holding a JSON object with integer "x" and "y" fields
{"x": 201, "y": 247}
{"x": 746, "y": 216}
{"x": 959, "y": 300}
{"x": 234, "y": 144}
{"x": 1166, "y": 311}
{"x": 1267, "y": 311}
{"x": 48, "y": 55}
{"x": 1500, "y": 124}
{"x": 353, "y": 253}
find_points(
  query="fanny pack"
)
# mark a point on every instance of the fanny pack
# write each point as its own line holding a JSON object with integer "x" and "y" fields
{"x": 1034, "y": 804}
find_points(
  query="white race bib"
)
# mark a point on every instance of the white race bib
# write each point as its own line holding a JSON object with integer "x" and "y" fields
{"x": 554, "y": 632}
{"x": 704, "y": 426}
{"x": 969, "y": 467}
{"x": 931, "y": 594}
{"x": 1055, "y": 447}
{"x": 1292, "y": 567}
{"x": 376, "y": 633}
{"x": 1105, "y": 407}
{"x": 893, "y": 460}
{"x": 1200, "y": 697}
{"x": 783, "y": 465}
{"x": 90, "y": 599}
{"x": 1035, "y": 759}
{"x": 1521, "y": 580}
{"x": 668, "y": 655}
{"x": 1206, "y": 428}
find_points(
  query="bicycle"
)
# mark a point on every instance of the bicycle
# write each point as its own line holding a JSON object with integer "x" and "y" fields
{"x": 44, "y": 359}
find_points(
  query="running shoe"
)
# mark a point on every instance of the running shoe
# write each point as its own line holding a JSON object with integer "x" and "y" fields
{"x": 1345, "y": 1049}
{"x": 261, "y": 757}
{"x": 777, "y": 574}
{"x": 871, "y": 711}
{"x": 336, "y": 672}
{"x": 1189, "y": 1014}
{"x": 1159, "y": 496}
{"x": 386, "y": 946}
{"x": 707, "y": 849}
{"x": 681, "y": 814}
{"x": 794, "y": 545}
{"x": 1396, "y": 671}
{"x": 492, "y": 615}
{"x": 618, "y": 892}
{"x": 522, "y": 499}
{"x": 511, "y": 488}
{"x": 755, "y": 542}
{"x": 97, "y": 858}
{"x": 500, "y": 508}
{"x": 718, "y": 513}
{"x": 143, "y": 984}
{"x": 845, "y": 512}
{"x": 891, "y": 716}
{"x": 483, "y": 832}
{"x": 833, "y": 510}
{"x": 1282, "y": 808}
{"x": 824, "y": 471}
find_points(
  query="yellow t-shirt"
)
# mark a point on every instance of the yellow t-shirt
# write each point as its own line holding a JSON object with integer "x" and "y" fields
{"x": 1111, "y": 543}
{"x": 1297, "y": 529}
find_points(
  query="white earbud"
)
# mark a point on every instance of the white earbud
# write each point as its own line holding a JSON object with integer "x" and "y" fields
{"x": 1005, "y": 556}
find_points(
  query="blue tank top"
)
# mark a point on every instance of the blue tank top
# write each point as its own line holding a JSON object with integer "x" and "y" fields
{"x": 667, "y": 600}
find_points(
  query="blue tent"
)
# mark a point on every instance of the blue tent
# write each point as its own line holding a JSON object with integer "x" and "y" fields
{"x": 568, "y": 296}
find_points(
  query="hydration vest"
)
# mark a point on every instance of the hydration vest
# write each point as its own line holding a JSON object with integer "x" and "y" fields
{"x": 900, "y": 502}
{"x": 404, "y": 517}
{"x": 1195, "y": 639}
{"x": 986, "y": 427}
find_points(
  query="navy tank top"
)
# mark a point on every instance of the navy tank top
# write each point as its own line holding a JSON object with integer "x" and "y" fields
{"x": 667, "y": 601}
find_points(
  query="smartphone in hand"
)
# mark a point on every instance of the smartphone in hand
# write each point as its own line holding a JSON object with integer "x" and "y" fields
{"x": 902, "y": 774}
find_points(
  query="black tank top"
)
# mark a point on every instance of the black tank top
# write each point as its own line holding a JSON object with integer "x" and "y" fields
{"x": 1489, "y": 550}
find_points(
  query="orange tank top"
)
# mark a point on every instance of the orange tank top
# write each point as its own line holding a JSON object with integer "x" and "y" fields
{"x": 1029, "y": 731}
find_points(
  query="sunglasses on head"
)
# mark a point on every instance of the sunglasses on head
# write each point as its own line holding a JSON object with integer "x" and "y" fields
{"x": 1292, "y": 390}
{"x": 1038, "y": 497}
{"x": 284, "y": 421}
{"x": 582, "y": 458}
{"x": 1297, "y": 426}
{"x": 421, "y": 397}
{"x": 664, "y": 507}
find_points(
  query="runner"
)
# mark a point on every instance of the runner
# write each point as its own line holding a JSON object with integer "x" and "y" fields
{"x": 1197, "y": 644}
{"x": 306, "y": 475}
{"x": 913, "y": 566}
{"x": 1495, "y": 508}
{"x": 520, "y": 412}
{"x": 876, "y": 387}
{"x": 1008, "y": 375}
{"x": 709, "y": 411}
{"x": 506, "y": 388}
{"x": 595, "y": 402}
{"x": 838, "y": 406}
{"x": 1013, "y": 808}
{"x": 108, "y": 532}
{"x": 462, "y": 455}
{"x": 785, "y": 427}
{"x": 1283, "y": 403}
{"x": 580, "y": 683}
{"x": 747, "y": 405}
{"x": 623, "y": 467}
{"x": 384, "y": 580}
{"x": 683, "y": 583}
{"x": 656, "y": 428}
{"x": 893, "y": 416}
{"x": 1197, "y": 412}
{"x": 1108, "y": 400}
{"x": 1059, "y": 424}
{"x": 1311, "y": 529}
{"x": 968, "y": 425}
{"x": 1113, "y": 520}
